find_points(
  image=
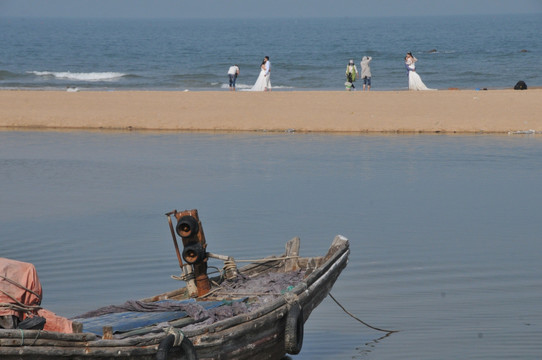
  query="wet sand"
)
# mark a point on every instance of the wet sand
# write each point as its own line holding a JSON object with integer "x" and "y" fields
{"x": 445, "y": 111}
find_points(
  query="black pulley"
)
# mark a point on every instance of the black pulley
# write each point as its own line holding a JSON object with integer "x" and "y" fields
{"x": 193, "y": 253}
{"x": 187, "y": 226}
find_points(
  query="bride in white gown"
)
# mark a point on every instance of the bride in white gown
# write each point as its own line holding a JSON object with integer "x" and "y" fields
{"x": 414, "y": 80}
{"x": 260, "y": 83}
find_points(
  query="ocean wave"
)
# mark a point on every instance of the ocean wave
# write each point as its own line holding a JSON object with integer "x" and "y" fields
{"x": 4, "y": 74}
{"x": 245, "y": 87}
{"x": 238, "y": 86}
{"x": 435, "y": 51}
{"x": 92, "y": 76}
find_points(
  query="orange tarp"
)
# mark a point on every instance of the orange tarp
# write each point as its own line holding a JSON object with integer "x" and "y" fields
{"x": 25, "y": 274}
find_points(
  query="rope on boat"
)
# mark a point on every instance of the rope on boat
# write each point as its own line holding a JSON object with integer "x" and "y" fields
{"x": 21, "y": 308}
{"x": 230, "y": 269}
{"x": 17, "y": 305}
{"x": 35, "y": 339}
{"x": 184, "y": 277}
{"x": 239, "y": 294}
{"x": 268, "y": 259}
{"x": 21, "y": 286}
{"x": 361, "y": 321}
{"x": 230, "y": 272}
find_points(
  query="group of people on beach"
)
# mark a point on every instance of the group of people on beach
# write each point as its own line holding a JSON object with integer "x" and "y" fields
{"x": 352, "y": 74}
{"x": 414, "y": 80}
{"x": 263, "y": 82}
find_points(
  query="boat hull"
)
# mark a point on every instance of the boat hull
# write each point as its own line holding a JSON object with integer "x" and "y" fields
{"x": 262, "y": 334}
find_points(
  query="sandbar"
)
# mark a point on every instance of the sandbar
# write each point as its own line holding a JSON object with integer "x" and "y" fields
{"x": 442, "y": 111}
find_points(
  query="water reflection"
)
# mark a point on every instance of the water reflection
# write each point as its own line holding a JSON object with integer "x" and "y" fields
{"x": 368, "y": 347}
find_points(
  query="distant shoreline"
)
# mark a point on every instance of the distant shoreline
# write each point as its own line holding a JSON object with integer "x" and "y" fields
{"x": 390, "y": 111}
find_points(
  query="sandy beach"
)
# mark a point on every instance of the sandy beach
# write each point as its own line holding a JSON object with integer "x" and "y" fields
{"x": 444, "y": 111}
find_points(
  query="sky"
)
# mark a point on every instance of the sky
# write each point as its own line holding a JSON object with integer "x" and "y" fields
{"x": 260, "y": 8}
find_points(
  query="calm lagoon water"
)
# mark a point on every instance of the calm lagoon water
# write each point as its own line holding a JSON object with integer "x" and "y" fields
{"x": 445, "y": 230}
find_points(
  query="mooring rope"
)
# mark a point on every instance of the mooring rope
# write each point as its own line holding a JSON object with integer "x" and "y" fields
{"x": 361, "y": 321}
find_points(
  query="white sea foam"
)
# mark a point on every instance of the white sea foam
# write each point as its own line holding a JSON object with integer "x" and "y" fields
{"x": 245, "y": 87}
{"x": 238, "y": 86}
{"x": 92, "y": 76}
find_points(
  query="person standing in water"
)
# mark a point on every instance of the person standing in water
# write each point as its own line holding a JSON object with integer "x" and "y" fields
{"x": 233, "y": 72}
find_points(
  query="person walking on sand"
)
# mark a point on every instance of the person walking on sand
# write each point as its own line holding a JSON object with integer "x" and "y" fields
{"x": 351, "y": 75}
{"x": 366, "y": 72}
{"x": 414, "y": 80}
{"x": 233, "y": 72}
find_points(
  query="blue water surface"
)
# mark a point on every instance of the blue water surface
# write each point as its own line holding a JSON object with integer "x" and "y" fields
{"x": 444, "y": 230}
{"x": 469, "y": 52}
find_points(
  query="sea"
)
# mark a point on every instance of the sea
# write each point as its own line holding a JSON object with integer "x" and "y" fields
{"x": 465, "y": 52}
{"x": 445, "y": 230}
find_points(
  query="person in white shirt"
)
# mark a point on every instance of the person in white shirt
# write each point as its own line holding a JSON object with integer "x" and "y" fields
{"x": 233, "y": 72}
{"x": 366, "y": 72}
{"x": 263, "y": 82}
{"x": 267, "y": 74}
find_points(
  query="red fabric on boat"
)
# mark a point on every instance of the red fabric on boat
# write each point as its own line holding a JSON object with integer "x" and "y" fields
{"x": 55, "y": 322}
{"x": 24, "y": 274}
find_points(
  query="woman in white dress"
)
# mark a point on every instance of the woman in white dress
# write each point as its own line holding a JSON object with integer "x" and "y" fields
{"x": 414, "y": 80}
{"x": 260, "y": 83}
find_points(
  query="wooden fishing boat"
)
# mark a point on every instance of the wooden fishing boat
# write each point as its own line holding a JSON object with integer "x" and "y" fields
{"x": 254, "y": 312}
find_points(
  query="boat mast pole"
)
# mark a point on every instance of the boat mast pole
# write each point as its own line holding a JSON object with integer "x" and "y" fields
{"x": 179, "y": 258}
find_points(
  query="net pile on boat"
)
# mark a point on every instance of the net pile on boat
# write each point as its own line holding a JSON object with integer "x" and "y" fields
{"x": 231, "y": 298}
